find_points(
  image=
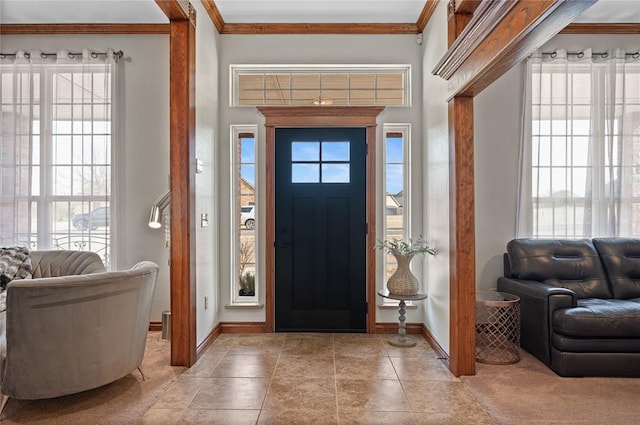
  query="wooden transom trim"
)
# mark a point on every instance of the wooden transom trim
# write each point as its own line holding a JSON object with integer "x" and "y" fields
{"x": 324, "y": 116}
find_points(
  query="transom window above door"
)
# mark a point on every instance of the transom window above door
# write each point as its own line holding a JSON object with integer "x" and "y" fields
{"x": 320, "y": 162}
{"x": 320, "y": 85}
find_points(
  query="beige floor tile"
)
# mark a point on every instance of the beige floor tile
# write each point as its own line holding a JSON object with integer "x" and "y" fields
{"x": 422, "y": 349}
{"x": 257, "y": 344}
{"x": 301, "y": 393}
{"x": 384, "y": 395}
{"x": 308, "y": 344}
{"x": 161, "y": 416}
{"x": 359, "y": 346}
{"x": 441, "y": 397}
{"x": 180, "y": 393}
{"x": 231, "y": 393}
{"x": 218, "y": 417}
{"x": 376, "y": 418}
{"x": 454, "y": 419}
{"x": 245, "y": 366}
{"x": 298, "y": 417}
{"x": 204, "y": 366}
{"x": 295, "y": 366}
{"x": 422, "y": 369}
{"x": 356, "y": 337}
{"x": 375, "y": 367}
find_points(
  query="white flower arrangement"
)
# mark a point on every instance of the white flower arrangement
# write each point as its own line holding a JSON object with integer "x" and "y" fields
{"x": 397, "y": 247}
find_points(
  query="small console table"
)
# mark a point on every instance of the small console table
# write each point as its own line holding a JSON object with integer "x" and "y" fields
{"x": 402, "y": 339}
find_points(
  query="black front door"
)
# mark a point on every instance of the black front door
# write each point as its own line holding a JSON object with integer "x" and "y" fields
{"x": 320, "y": 201}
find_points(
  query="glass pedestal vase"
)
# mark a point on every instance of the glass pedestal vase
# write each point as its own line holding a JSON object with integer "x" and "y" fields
{"x": 402, "y": 281}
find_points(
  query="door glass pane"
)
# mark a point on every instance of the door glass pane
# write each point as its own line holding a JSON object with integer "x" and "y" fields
{"x": 335, "y": 173}
{"x": 305, "y": 173}
{"x": 305, "y": 151}
{"x": 335, "y": 151}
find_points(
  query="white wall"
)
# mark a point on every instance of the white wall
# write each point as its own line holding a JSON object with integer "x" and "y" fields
{"x": 497, "y": 133}
{"x": 144, "y": 148}
{"x": 436, "y": 178}
{"x": 206, "y": 151}
{"x": 497, "y": 125}
{"x": 311, "y": 49}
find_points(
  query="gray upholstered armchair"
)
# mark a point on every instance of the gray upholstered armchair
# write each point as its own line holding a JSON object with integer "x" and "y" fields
{"x": 74, "y": 326}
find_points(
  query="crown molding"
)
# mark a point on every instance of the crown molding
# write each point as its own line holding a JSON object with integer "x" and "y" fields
{"x": 595, "y": 28}
{"x": 30, "y": 29}
{"x": 214, "y": 14}
{"x": 425, "y": 15}
{"x": 319, "y": 28}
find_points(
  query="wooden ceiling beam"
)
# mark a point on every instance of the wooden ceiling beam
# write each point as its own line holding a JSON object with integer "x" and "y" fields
{"x": 425, "y": 15}
{"x": 595, "y": 28}
{"x": 175, "y": 10}
{"x": 499, "y": 36}
{"x": 465, "y": 6}
{"x": 20, "y": 29}
{"x": 456, "y": 23}
{"x": 214, "y": 14}
{"x": 319, "y": 28}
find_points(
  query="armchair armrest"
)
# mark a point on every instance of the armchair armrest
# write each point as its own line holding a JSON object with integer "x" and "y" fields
{"x": 538, "y": 301}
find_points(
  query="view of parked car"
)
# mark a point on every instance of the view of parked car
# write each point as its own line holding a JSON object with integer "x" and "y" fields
{"x": 248, "y": 216}
{"x": 99, "y": 217}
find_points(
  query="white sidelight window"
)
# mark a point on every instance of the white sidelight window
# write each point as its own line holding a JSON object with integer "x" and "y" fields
{"x": 396, "y": 191}
{"x": 244, "y": 215}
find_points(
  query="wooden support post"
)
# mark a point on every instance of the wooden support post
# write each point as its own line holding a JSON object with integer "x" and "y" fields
{"x": 182, "y": 185}
{"x": 462, "y": 281}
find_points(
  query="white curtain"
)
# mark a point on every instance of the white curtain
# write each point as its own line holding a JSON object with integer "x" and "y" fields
{"x": 580, "y": 145}
{"x": 56, "y": 150}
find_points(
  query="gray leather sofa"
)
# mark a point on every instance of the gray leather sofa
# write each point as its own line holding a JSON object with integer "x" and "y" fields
{"x": 580, "y": 303}
{"x": 74, "y": 326}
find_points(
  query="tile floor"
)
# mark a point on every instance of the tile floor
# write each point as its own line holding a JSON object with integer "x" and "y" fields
{"x": 319, "y": 379}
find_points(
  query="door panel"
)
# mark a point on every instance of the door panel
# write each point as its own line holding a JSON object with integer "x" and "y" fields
{"x": 320, "y": 194}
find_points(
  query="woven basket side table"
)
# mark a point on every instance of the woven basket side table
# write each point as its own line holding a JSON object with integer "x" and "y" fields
{"x": 497, "y": 327}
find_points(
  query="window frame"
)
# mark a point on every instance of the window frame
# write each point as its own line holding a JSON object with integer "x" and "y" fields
{"x": 235, "y": 70}
{"x": 405, "y": 130}
{"x": 557, "y": 204}
{"x": 45, "y": 236}
{"x": 235, "y": 299}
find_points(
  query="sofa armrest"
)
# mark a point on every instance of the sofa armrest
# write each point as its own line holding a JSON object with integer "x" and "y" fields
{"x": 538, "y": 301}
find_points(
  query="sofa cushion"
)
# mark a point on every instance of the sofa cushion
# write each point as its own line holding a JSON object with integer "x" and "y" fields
{"x": 599, "y": 318}
{"x": 595, "y": 345}
{"x": 15, "y": 263}
{"x": 571, "y": 264}
{"x": 621, "y": 259}
{"x": 65, "y": 263}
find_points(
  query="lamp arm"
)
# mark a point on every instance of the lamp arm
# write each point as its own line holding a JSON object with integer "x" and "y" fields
{"x": 163, "y": 201}
{"x": 155, "y": 217}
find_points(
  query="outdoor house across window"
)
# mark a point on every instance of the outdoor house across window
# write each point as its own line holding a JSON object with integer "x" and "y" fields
{"x": 321, "y": 85}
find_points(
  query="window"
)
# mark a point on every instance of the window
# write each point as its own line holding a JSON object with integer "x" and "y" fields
{"x": 320, "y": 162}
{"x": 339, "y": 85}
{"x": 585, "y": 146}
{"x": 56, "y": 153}
{"x": 245, "y": 217}
{"x": 396, "y": 191}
